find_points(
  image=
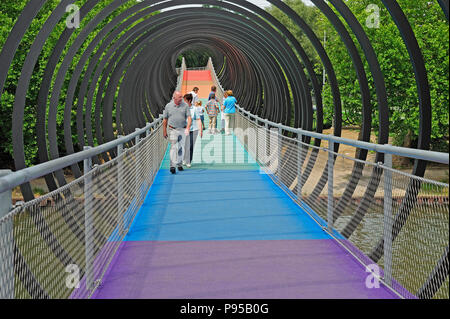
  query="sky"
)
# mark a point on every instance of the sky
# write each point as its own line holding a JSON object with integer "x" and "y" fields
{"x": 264, "y": 3}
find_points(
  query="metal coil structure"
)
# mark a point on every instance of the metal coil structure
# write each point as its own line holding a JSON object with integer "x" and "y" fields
{"x": 125, "y": 76}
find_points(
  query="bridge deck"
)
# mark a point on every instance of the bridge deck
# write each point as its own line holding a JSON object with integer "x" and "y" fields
{"x": 223, "y": 230}
{"x": 226, "y": 231}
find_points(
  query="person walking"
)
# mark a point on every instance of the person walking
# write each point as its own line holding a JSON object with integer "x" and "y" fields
{"x": 199, "y": 106}
{"x": 196, "y": 129}
{"x": 177, "y": 123}
{"x": 222, "y": 118}
{"x": 229, "y": 110}
{"x": 194, "y": 93}
{"x": 212, "y": 108}
{"x": 213, "y": 92}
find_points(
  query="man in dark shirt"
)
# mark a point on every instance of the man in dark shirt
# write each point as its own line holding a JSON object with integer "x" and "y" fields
{"x": 213, "y": 92}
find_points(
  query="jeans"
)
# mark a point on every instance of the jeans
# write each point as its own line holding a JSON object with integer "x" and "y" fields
{"x": 229, "y": 122}
{"x": 177, "y": 140}
{"x": 212, "y": 122}
{"x": 189, "y": 146}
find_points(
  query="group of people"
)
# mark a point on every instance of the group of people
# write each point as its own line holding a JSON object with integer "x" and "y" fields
{"x": 183, "y": 122}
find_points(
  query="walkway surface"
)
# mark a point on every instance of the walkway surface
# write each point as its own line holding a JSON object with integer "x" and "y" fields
{"x": 224, "y": 230}
{"x": 197, "y": 78}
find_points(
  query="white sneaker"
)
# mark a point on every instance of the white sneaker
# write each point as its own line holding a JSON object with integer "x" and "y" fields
{"x": 184, "y": 163}
{"x": 188, "y": 165}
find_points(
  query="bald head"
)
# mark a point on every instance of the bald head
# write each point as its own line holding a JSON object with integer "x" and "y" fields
{"x": 177, "y": 97}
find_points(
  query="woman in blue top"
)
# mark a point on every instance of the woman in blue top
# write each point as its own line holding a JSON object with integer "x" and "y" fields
{"x": 229, "y": 108}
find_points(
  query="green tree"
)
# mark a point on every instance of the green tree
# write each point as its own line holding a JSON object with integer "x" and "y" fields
{"x": 195, "y": 57}
{"x": 432, "y": 32}
{"x": 9, "y": 11}
{"x": 311, "y": 15}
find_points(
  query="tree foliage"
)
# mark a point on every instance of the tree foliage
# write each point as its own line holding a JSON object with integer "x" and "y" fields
{"x": 432, "y": 32}
{"x": 9, "y": 12}
{"x": 195, "y": 57}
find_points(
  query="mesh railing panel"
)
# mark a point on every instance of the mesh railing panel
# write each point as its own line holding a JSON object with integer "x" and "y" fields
{"x": 61, "y": 244}
{"x": 219, "y": 91}
{"x": 420, "y": 211}
{"x": 180, "y": 77}
{"x": 424, "y": 235}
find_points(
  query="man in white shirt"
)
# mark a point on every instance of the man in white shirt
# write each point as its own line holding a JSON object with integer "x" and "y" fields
{"x": 194, "y": 93}
{"x": 176, "y": 126}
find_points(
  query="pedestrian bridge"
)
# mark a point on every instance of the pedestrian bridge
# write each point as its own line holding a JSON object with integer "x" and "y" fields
{"x": 237, "y": 224}
{"x": 277, "y": 210}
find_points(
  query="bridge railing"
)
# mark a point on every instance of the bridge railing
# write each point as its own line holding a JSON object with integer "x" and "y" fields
{"x": 199, "y": 68}
{"x": 181, "y": 71}
{"x": 60, "y": 245}
{"x": 220, "y": 90}
{"x": 394, "y": 223}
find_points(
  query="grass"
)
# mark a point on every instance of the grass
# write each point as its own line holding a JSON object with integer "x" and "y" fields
{"x": 39, "y": 191}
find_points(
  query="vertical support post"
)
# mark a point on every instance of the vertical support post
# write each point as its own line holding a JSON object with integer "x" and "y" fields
{"x": 88, "y": 222}
{"x": 120, "y": 195}
{"x": 267, "y": 145}
{"x": 137, "y": 164}
{"x": 147, "y": 165}
{"x": 159, "y": 143}
{"x": 387, "y": 219}
{"x": 257, "y": 140}
{"x": 153, "y": 153}
{"x": 280, "y": 141}
{"x": 5, "y": 197}
{"x": 330, "y": 186}
{"x": 7, "y": 237}
{"x": 299, "y": 166}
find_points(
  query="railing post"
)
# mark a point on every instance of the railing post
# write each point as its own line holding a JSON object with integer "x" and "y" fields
{"x": 158, "y": 146}
{"x": 88, "y": 222}
{"x": 5, "y": 197}
{"x": 120, "y": 219}
{"x": 138, "y": 179}
{"x": 257, "y": 140}
{"x": 159, "y": 156}
{"x": 330, "y": 186}
{"x": 387, "y": 220}
{"x": 267, "y": 145}
{"x": 7, "y": 251}
{"x": 299, "y": 167}
{"x": 147, "y": 154}
{"x": 154, "y": 152}
{"x": 280, "y": 141}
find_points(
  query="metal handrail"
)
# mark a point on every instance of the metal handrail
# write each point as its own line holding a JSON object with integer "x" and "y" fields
{"x": 432, "y": 156}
